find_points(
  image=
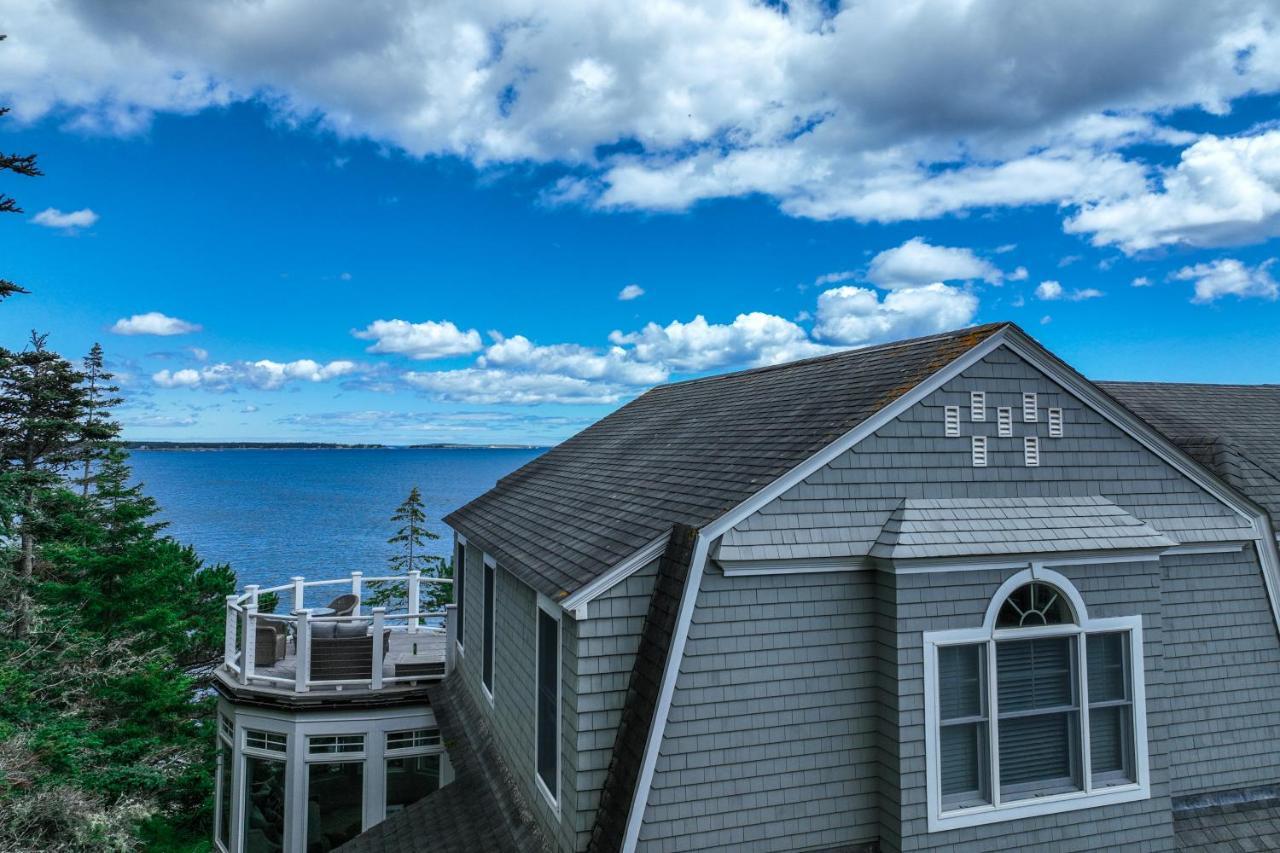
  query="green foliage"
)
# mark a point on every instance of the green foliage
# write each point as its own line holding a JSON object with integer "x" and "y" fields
{"x": 105, "y": 738}
{"x": 410, "y": 539}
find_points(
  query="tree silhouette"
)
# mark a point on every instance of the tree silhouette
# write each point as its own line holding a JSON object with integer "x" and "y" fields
{"x": 19, "y": 164}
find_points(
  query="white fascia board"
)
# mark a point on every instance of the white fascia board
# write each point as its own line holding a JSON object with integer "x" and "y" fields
{"x": 576, "y": 604}
{"x": 688, "y": 601}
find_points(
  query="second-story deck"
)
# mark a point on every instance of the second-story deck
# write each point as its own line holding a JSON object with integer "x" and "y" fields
{"x": 306, "y": 652}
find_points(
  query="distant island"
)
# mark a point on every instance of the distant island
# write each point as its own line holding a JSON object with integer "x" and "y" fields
{"x": 313, "y": 445}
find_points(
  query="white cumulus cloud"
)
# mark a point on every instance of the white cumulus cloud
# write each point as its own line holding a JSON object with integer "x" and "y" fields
{"x": 917, "y": 263}
{"x": 857, "y": 315}
{"x": 69, "y": 221}
{"x": 1230, "y": 277}
{"x": 1223, "y": 191}
{"x": 754, "y": 338}
{"x": 154, "y": 323}
{"x": 422, "y": 341}
{"x": 631, "y": 291}
{"x": 1050, "y": 291}
{"x": 264, "y": 374}
{"x": 491, "y": 387}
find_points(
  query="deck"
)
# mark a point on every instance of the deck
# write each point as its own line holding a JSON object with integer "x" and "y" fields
{"x": 312, "y": 655}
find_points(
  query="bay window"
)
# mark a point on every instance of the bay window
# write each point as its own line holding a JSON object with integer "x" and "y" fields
{"x": 1039, "y": 711}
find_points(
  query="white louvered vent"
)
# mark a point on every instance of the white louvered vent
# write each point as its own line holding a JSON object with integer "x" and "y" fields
{"x": 1055, "y": 423}
{"x": 953, "y": 421}
{"x": 1030, "y": 411}
{"x": 1004, "y": 421}
{"x": 1031, "y": 451}
{"x": 978, "y": 405}
{"x": 979, "y": 451}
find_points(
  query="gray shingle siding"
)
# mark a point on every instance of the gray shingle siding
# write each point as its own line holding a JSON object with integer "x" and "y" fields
{"x": 841, "y": 509}
{"x": 514, "y": 674}
{"x": 1222, "y": 656}
{"x": 771, "y": 739}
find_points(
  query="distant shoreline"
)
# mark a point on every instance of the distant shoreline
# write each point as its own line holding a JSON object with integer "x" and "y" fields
{"x": 313, "y": 445}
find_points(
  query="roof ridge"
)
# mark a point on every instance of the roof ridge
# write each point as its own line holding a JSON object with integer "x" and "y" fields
{"x": 831, "y": 356}
{"x": 1140, "y": 382}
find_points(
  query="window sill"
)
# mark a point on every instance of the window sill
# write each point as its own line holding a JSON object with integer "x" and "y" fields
{"x": 1056, "y": 804}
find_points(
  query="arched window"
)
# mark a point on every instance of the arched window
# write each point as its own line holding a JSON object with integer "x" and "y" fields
{"x": 1040, "y": 710}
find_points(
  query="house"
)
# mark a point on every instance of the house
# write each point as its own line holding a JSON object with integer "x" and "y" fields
{"x": 941, "y": 594}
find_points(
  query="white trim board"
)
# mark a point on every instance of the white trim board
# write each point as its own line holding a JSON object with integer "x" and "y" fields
{"x": 576, "y": 604}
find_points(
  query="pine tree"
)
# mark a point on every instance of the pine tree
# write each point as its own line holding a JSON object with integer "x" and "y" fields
{"x": 42, "y": 408}
{"x": 99, "y": 431}
{"x": 412, "y": 535}
{"x": 19, "y": 164}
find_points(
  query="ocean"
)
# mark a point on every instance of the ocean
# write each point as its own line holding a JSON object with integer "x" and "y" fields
{"x": 273, "y": 514}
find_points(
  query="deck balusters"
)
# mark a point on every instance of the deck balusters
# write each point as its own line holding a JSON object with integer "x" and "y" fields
{"x": 379, "y": 614}
{"x": 249, "y": 641}
{"x": 414, "y": 603}
{"x": 302, "y": 672}
{"x": 229, "y": 634}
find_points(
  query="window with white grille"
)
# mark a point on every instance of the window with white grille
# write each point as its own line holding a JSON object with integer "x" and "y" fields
{"x": 979, "y": 451}
{"x": 1055, "y": 423}
{"x": 1031, "y": 451}
{"x": 952, "y": 421}
{"x": 977, "y": 405}
{"x": 1030, "y": 408}
{"x": 1004, "y": 421}
{"x": 268, "y": 741}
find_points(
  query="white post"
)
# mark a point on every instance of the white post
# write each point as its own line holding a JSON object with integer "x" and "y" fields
{"x": 249, "y": 641}
{"x": 356, "y": 581}
{"x": 252, "y": 591}
{"x": 414, "y": 604}
{"x": 298, "y": 603}
{"x": 378, "y": 614}
{"x": 302, "y": 670}
{"x": 229, "y": 638}
{"x": 450, "y": 637}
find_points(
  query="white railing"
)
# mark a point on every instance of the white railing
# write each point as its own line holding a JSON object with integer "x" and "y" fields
{"x": 243, "y": 620}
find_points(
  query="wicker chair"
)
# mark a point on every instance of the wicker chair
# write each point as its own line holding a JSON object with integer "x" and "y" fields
{"x": 270, "y": 641}
{"x": 346, "y": 654}
{"x": 345, "y": 605}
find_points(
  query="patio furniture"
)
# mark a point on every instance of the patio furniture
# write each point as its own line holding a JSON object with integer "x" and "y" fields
{"x": 344, "y": 653}
{"x": 345, "y": 605}
{"x": 271, "y": 638}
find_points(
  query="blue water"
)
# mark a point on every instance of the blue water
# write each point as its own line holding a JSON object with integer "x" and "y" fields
{"x": 273, "y": 514}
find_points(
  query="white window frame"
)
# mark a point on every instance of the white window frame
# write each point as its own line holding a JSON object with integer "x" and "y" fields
{"x": 553, "y": 610}
{"x": 1089, "y": 797}
{"x": 225, "y": 764}
{"x": 1030, "y": 407}
{"x": 1055, "y": 423}
{"x": 951, "y": 421}
{"x": 1004, "y": 421}
{"x": 489, "y": 627}
{"x": 977, "y": 405}
{"x": 460, "y": 586}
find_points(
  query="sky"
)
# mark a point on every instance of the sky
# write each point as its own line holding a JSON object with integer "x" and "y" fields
{"x": 408, "y": 222}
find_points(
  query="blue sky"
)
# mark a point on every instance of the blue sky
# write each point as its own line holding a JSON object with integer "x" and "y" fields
{"x": 354, "y": 252}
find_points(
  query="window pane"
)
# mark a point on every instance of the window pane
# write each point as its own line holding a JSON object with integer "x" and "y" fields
{"x": 1038, "y": 754}
{"x": 1033, "y": 605}
{"x": 1110, "y": 744}
{"x": 263, "y": 805}
{"x": 413, "y": 739}
{"x": 548, "y": 698}
{"x": 224, "y": 796}
{"x": 487, "y": 673}
{"x": 1107, "y": 653}
{"x": 960, "y": 686}
{"x": 270, "y": 741}
{"x": 459, "y": 583}
{"x": 1034, "y": 674}
{"x": 411, "y": 779}
{"x": 335, "y": 804}
{"x": 322, "y": 744}
{"x": 964, "y": 759}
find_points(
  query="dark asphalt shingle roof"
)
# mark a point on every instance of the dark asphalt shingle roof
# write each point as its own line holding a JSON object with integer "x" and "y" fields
{"x": 481, "y": 809}
{"x": 1233, "y": 430}
{"x": 684, "y": 454}
{"x": 1245, "y": 827}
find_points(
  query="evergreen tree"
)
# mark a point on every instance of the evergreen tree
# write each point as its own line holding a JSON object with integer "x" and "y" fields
{"x": 19, "y": 164}
{"x": 99, "y": 431}
{"x": 412, "y": 535}
{"x": 42, "y": 407}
